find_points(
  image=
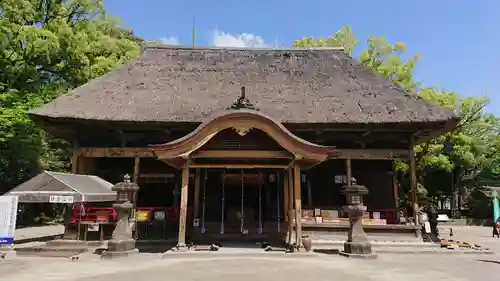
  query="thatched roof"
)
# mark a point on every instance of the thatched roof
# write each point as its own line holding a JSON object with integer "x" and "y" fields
{"x": 179, "y": 84}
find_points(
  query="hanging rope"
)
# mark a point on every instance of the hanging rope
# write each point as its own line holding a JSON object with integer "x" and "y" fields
{"x": 223, "y": 202}
{"x": 204, "y": 199}
{"x": 242, "y": 213}
{"x": 278, "y": 200}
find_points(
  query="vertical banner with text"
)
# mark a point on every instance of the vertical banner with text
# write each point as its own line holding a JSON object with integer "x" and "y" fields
{"x": 496, "y": 206}
{"x": 8, "y": 215}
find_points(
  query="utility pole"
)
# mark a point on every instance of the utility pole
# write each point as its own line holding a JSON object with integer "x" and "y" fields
{"x": 194, "y": 23}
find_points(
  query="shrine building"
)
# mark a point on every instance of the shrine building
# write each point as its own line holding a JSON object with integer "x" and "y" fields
{"x": 238, "y": 143}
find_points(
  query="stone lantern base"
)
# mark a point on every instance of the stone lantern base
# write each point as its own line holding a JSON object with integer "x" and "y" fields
{"x": 358, "y": 250}
{"x": 357, "y": 244}
{"x": 120, "y": 248}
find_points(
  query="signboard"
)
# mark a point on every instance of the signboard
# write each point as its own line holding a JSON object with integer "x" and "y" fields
{"x": 196, "y": 222}
{"x": 61, "y": 199}
{"x": 93, "y": 227}
{"x": 496, "y": 206}
{"x": 159, "y": 215}
{"x": 102, "y": 218}
{"x": 8, "y": 214}
{"x": 142, "y": 216}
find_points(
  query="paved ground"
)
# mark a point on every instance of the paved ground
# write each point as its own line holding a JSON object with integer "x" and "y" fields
{"x": 29, "y": 233}
{"x": 218, "y": 266}
{"x": 283, "y": 267}
{"x": 478, "y": 235}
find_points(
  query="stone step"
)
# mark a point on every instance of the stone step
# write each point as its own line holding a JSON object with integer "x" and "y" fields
{"x": 391, "y": 244}
{"x": 51, "y": 249}
{"x": 74, "y": 243}
{"x": 51, "y": 254}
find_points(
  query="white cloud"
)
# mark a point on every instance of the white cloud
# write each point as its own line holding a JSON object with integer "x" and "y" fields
{"x": 242, "y": 40}
{"x": 170, "y": 40}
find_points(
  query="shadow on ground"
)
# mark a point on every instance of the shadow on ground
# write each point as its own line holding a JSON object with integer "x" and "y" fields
{"x": 327, "y": 251}
{"x": 489, "y": 261}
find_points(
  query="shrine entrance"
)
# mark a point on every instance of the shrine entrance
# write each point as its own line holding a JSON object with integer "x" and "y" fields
{"x": 241, "y": 159}
{"x": 239, "y": 204}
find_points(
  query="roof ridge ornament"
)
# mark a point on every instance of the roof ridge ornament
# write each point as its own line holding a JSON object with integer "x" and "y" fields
{"x": 242, "y": 102}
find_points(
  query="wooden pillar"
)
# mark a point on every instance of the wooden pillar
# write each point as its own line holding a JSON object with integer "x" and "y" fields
{"x": 290, "y": 205}
{"x": 135, "y": 179}
{"x": 285, "y": 195}
{"x": 298, "y": 204}
{"x": 396, "y": 197}
{"x": 137, "y": 160}
{"x": 348, "y": 171}
{"x": 74, "y": 161}
{"x": 68, "y": 210}
{"x": 309, "y": 191}
{"x": 197, "y": 182}
{"x": 183, "y": 208}
{"x": 413, "y": 184}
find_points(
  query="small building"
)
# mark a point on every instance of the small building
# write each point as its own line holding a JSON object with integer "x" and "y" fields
{"x": 243, "y": 141}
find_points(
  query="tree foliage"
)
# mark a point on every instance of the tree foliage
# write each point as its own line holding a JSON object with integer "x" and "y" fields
{"x": 46, "y": 48}
{"x": 344, "y": 38}
{"x": 457, "y": 161}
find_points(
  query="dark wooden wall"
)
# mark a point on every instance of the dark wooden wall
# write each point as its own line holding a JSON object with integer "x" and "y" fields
{"x": 374, "y": 174}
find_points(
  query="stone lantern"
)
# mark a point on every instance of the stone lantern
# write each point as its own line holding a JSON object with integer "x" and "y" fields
{"x": 357, "y": 244}
{"x": 122, "y": 243}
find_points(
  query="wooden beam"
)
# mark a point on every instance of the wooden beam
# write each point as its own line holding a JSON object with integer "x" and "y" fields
{"x": 144, "y": 152}
{"x": 298, "y": 204}
{"x": 247, "y": 154}
{"x": 183, "y": 206}
{"x": 369, "y": 154}
{"x": 116, "y": 152}
{"x": 238, "y": 166}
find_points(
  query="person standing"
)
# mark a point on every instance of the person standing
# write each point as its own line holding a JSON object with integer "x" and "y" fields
{"x": 433, "y": 220}
{"x": 496, "y": 228}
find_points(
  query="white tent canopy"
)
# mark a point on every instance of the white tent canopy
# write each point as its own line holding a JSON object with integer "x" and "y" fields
{"x": 83, "y": 188}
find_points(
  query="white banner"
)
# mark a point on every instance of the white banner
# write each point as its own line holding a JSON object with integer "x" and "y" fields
{"x": 8, "y": 215}
{"x": 61, "y": 199}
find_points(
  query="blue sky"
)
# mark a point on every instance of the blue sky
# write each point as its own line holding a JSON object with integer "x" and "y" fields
{"x": 459, "y": 41}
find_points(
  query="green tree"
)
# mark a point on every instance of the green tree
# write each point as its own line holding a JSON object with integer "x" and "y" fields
{"x": 46, "y": 48}
{"x": 385, "y": 58}
{"x": 344, "y": 38}
{"x": 380, "y": 55}
{"x": 456, "y": 161}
